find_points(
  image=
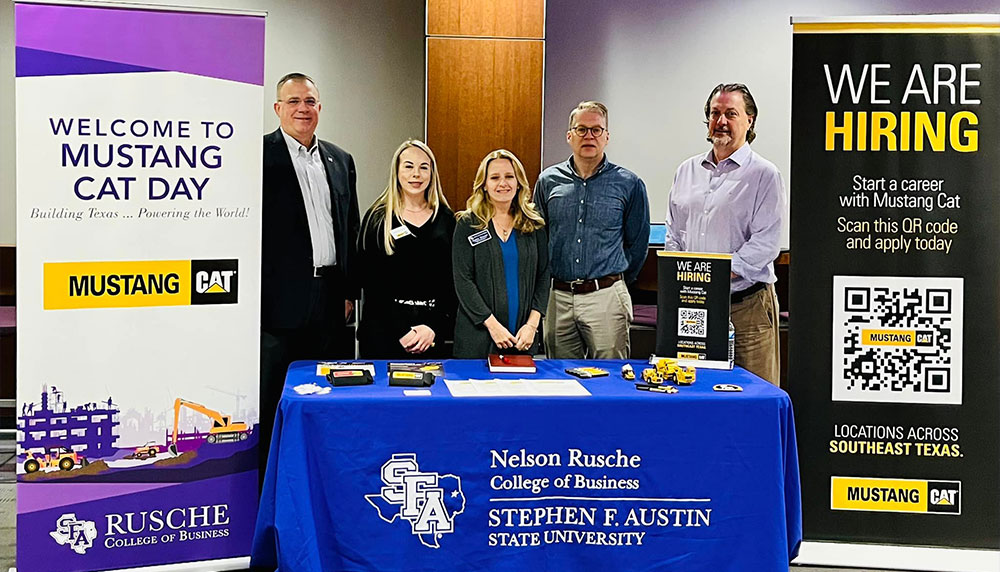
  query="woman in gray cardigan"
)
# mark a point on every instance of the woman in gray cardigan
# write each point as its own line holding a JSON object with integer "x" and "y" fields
{"x": 500, "y": 261}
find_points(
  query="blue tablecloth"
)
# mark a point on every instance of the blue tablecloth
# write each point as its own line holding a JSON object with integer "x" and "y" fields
{"x": 367, "y": 478}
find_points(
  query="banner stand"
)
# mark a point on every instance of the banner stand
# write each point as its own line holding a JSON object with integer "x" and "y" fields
{"x": 138, "y": 132}
{"x": 200, "y": 566}
{"x": 894, "y": 306}
{"x": 897, "y": 557}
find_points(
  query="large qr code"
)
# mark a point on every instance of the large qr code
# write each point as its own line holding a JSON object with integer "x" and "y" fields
{"x": 692, "y": 322}
{"x": 897, "y": 339}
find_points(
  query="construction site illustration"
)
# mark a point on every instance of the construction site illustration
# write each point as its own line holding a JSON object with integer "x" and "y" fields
{"x": 94, "y": 441}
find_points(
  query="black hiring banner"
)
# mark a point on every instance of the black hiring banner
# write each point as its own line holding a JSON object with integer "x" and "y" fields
{"x": 692, "y": 316}
{"x": 895, "y": 219}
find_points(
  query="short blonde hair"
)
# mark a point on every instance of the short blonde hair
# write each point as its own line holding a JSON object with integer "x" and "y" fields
{"x": 526, "y": 216}
{"x": 595, "y": 106}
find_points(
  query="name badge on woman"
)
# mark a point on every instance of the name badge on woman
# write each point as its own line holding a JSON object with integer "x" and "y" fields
{"x": 480, "y": 237}
{"x": 400, "y": 231}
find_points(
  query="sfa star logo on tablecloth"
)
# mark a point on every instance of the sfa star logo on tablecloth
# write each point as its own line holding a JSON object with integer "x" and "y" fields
{"x": 429, "y": 501}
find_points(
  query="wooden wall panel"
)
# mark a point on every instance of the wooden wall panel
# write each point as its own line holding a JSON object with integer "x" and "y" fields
{"x": 483, "y": 95}
{"x": 486, "y": 18}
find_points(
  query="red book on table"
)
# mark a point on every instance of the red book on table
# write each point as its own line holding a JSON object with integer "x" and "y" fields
{"x": 512, "y": 363}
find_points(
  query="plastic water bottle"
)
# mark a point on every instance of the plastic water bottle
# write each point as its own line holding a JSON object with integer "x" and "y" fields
{"x": 732, "y": 344}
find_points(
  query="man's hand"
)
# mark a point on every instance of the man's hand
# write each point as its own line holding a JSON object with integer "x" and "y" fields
{"x": 733, "y": 275}
{"x": 419, "y": 339}
{"x": 348, "y": 308}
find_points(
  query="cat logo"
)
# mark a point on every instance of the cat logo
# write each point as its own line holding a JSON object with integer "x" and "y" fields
{"x": 214, "y": 281}
{"x": 944, "y": 497}
{"x": 924, "y": 338}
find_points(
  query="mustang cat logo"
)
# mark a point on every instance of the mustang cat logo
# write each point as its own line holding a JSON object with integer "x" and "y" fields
{"x": 78, "y": 534}
{"x": 429, "y": 501}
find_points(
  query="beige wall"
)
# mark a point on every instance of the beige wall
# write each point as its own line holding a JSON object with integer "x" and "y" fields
{"x": 367, "y": 57}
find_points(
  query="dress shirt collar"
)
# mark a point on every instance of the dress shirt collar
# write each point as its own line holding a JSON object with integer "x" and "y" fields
{"x": 294, "y": 146}
{"x": 740, "y": 156}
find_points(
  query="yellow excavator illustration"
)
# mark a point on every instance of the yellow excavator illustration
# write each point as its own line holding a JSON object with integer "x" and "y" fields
{"x": 223, "y": 430}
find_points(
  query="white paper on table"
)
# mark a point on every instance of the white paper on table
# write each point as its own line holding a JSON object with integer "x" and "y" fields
{"x": 515, "y": 387}
{"x": 461, "y": 387}
{"x": 567, "y": 387}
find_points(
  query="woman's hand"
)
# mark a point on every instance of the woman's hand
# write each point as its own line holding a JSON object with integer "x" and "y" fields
{"x": 501, "y": 335}
{"x": 526, "y": 336}
{"x": 419, "y": 339}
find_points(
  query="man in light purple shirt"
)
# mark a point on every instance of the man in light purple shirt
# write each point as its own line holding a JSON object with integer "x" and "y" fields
{"x": 731, "y": 200}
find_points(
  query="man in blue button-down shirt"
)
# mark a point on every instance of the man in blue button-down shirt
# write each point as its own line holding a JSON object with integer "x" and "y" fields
{"x": 731, "y": 200}
{"x": 598, "y": 223}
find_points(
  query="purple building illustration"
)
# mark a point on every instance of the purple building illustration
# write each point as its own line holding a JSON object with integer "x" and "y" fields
{"x": 88, "y": 429}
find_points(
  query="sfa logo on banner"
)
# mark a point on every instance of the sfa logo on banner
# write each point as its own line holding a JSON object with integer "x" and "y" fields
{"x": 130, "y": 284}
{"x": 77, "y": 534}
{"x": 145, "y": 528}
{"x": 429, "y": 501}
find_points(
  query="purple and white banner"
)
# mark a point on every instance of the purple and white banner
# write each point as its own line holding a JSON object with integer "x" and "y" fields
{"x": 138, "y": 235}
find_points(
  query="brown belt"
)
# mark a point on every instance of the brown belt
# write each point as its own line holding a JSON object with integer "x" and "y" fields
{"x": 586, "y": 286}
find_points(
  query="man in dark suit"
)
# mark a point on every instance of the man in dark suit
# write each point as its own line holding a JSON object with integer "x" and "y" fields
{"x": 310, "y": 227}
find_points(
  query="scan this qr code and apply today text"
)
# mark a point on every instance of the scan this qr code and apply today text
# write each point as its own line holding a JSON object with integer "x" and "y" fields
{"x": 897, "y": 339}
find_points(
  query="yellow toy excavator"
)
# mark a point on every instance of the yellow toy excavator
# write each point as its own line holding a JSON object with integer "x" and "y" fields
{"x": 669, "y": 370}
{"x": 223, "y": 430}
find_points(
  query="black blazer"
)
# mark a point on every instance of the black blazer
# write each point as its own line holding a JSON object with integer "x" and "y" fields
{"x": 482, "y": 289}
{"x": 286, "y": 248}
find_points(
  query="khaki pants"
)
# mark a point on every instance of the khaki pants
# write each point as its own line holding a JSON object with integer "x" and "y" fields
{"x": 755, "y": 319}
{"x": 589, "y": 326}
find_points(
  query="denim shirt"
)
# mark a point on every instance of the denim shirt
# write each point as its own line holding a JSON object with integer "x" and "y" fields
{"x": 598, "y": 226}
